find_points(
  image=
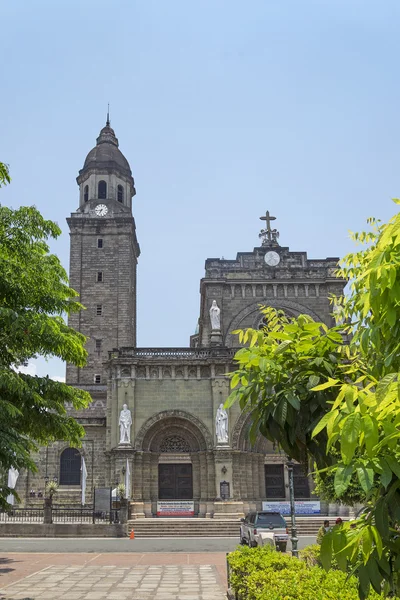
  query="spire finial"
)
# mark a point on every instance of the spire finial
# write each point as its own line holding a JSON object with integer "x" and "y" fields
{"x": 108, "y": 115}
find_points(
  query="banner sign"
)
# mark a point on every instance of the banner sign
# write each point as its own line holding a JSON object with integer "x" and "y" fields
{"x": 302, "y": 507}
{"x": 175, "y": 508}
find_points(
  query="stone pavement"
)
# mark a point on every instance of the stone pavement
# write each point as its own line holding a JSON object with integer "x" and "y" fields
{"x": 114, "y": 577}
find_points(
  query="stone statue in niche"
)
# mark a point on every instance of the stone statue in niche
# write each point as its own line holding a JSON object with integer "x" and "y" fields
{"x": 215, "y": 316}
{"x": 221, "y": 425}
{"x": 125, "y": 422}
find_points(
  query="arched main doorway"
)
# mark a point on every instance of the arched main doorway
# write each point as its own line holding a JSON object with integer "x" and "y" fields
{"x": 174, "y": 451}
{"x": 175, "y": 479}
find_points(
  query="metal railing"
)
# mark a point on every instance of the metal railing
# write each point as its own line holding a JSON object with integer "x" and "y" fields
{"x": 22, "y": 515}
{"x": 83, "y": 514}
{"x": 60, "y": 514}
{"x": 173, "y": 353}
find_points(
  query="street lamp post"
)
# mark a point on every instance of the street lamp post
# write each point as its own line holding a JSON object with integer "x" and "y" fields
{"x": 294, "y": 538}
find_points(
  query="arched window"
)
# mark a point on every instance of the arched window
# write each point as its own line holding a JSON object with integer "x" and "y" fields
{"x": 86, "y": 193}
{"x": 70, "y": 467}
{"x": 120, "y": 193}
{"x": 174, "y": 443}
{"x": 102, "y": 190}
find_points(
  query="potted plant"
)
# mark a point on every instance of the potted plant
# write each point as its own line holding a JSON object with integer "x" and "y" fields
{"x": 51, "y": 490}
{"x": 121, "y": 493}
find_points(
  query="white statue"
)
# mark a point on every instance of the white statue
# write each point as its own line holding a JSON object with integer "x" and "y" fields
{"x": 215, "y": 315}
{"x": 125, "y": 422}
{"x": 221, "y": 425}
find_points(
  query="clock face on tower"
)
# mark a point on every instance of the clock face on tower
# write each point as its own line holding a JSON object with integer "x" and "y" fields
{"x": 101, "y": 210}
{"x": 272, "y": 258}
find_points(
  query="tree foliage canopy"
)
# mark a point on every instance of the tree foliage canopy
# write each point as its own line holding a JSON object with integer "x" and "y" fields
{"x": 34, "y": 297}
{"x": 334, "y": 394}
{"x": 4, "y": 174}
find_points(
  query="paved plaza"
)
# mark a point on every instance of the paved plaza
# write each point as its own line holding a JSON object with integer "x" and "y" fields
{"x": 115, "y": 569}
{"x": 159, "y": 576}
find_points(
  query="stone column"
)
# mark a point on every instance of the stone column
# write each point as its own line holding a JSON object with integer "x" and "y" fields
{"x": 137, "y": 506}
{"x": 146, "y": 476}
{"x": 237, "y": 495}
{"x": 203, "y": 484}
{"x": 243, "y": 476}
{"x": 256, "y": 478}
{"x": 137, "y": 477}
{"x": 154, "y": 477}
{"x": 210, "y": 483}
{"x": 261, "y": 476}
{"x": 249, "y": 477}
{"x": 211, "y": 475}
{"x": 196, "y": 476}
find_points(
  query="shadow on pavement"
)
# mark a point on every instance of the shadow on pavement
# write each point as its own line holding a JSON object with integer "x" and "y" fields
{"x": 4, "y": 570}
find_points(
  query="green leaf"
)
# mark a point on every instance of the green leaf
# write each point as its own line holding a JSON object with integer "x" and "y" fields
{"x": 382, "y": 517}
{"x": 326, "y": 551}
{"x": 383, "y": 386}
{"x": 363, "y": 582}
{"x": 350, "y": 436}
{"x": 280, "y": 349}
{"x": 386, "y": 475}
{"x": 366, "y": 543}
{"x": 393, "y": 465}
{"x": 384, "y": 565}
{"x": 235, "y": 380}
{"x": 378, "y": 540}
{"x": 254, "y": 338}
{"x": 231, "y": 399}
{"x": 281, "y": 412}
{"x": 374, "y": 575}
{"x": 323, "y": 423}
{"x": 371, "y": 434}
{"x": 313, "y": 381}
{"x": 326, "y": 385}
{"x": 293, "y": 401}
{"x": 339, "y": 543}
{"x": 365, "y": 477}
{"x": 342, "y": 479}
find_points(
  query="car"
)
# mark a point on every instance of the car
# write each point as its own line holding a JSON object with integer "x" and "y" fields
{"x": 256, "y": 522}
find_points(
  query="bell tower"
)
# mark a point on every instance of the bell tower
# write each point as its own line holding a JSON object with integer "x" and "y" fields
{"x": 103, "y": 258}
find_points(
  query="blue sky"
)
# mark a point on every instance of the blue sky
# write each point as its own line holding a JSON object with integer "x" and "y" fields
{"x": 223, "y": 109}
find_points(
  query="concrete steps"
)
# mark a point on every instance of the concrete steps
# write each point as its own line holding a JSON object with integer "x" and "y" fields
{"x": 195, "y": 527}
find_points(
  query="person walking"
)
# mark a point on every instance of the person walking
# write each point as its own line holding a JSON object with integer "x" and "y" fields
{"x": 322, "y": 531}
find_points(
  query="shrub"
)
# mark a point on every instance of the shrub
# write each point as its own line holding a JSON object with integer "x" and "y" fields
{"x": 308, "y": 584}
{"x": 246, "y": 561}
{"x": 264, "y": 574}
{"x": 311, "y": 555}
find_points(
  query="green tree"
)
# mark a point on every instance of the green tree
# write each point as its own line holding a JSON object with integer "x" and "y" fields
{"x": 275, "y": 378}
{"x": 354, "y": 395}
{"x": 4, "y": 174}
{"x": 34, "y": 297}
{"x": 325, "y": 487}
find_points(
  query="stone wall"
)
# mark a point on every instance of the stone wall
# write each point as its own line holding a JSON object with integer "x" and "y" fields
{"x": 296, "y": 285}
{"x": 72, "y": 530}
{"x": 115, "y": 294}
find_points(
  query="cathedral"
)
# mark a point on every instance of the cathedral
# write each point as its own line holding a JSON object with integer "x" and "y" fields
{"x": 157, "y": 413}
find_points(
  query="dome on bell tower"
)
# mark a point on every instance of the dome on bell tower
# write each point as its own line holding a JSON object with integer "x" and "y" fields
{"x": 106, "y": 153}
{"x": 106, "y": 173}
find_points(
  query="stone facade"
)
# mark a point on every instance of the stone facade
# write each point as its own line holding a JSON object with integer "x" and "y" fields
{"x": 173, "y": 393}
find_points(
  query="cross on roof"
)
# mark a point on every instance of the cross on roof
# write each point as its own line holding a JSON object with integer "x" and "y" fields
{"x": 268, "y": 235}
{"x": 268, "y": 220}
